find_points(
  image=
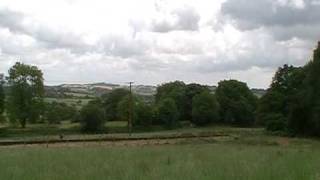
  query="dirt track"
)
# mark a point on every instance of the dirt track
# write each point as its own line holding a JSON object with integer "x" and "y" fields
{"x": 121, "y": 141}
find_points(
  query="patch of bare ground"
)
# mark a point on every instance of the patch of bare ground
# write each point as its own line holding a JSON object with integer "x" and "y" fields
{"x": 283, "y": 141}
{"x": 136, "y": 142}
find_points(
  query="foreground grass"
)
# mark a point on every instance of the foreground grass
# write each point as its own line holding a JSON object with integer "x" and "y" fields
{"x": 192, "y": 161}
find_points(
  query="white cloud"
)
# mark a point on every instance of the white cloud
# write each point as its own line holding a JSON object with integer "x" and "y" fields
{"x": 151, "y": 41}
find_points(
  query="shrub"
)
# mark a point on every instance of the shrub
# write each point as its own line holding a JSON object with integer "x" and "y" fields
{"x": 275, "y": 122}
{"x": 91, "y": 118}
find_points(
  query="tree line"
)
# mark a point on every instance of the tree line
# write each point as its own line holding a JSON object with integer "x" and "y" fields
{"x": 291, "y": 104}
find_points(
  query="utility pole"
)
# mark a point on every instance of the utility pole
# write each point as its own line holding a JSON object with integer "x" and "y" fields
{"x": 130, "y": 109}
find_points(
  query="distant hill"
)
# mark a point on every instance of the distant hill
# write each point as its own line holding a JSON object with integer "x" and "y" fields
{"x": 97, "y": 89}
{"x": 94, "y": 89}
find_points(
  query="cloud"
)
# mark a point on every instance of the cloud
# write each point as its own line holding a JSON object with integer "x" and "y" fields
{"x": 285, "y": 19}
{"x": 157, "y": 41}
{"x": 182, "y": 19}
{"x": 51, "y": 37}
{"x": 122, "y": 46}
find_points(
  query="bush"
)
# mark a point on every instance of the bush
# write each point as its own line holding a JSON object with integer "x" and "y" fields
{"x": 204, "y": 109}
{"x": 144, "y": 115}
{"x": 92, "y": 118}
{"x": 275, "y": 122}
{"x": 56, "y": 112}
{"x": 168, "y": 113}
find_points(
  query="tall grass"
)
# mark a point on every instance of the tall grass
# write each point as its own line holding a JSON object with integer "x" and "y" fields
{"x": 197, "y": 161}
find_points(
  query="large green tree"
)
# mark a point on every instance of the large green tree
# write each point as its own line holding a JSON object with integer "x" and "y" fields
{"x": 192, "y": 90}
{"x": 292, "y": 103}
{"x": 176, "y": 91}
{"x": 237, "y": 102}
{"x": 282, "y": 100}
{"x": 26, "y": 93}
{"x": 205, "y": 109}
{"x": 168, "y": 112}
{"x": 123, "y": 108}
{"x": 110, "y": 103}
{"x": 312, "y": 93}
{"x": 144, "y": 113}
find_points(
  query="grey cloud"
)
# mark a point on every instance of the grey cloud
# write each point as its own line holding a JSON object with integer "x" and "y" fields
{"x": 258, "y": 51}
{"x": 12, "y": 20}
{"x": 120, "y": 46}
{"x": 147, "y": 63}
{"x": 186, "y": 19}
{"x": 274, "y": 17}
{"x": 46, "y": 36}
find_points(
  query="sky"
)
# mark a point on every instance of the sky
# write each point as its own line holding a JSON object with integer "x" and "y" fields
{"x": 156, "y": 41}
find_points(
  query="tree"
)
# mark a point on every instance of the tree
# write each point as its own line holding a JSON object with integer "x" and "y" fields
{"x": 56, "y": 112}
{"x": 110, "y": 103}
{"x": 26, "y": 92}
{"x": 311, "y": 93}
{"x": 123, "y": 108}
{"x": 177, "y": 92}
{"x": 205, "y": 109}
{"x": 168, "y": 112}
{"x": 292, "y": 103}
{"x": 191, "y": 91}
{"x": 92, "y": 118}
{"x": 144, "y": 115}
{"x": 277, "y": 108}
{"x": 237, "y": 102}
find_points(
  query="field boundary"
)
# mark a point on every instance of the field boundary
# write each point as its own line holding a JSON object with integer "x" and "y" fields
{"x": 114, "y": 138}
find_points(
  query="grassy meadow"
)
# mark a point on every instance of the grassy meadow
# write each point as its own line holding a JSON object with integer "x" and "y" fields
{"x": 250, "y": 154}
{"x": 181, "y": 161}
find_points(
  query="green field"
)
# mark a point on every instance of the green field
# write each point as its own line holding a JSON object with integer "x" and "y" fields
{"x": 181, "y": 161}
{"x": 76, "y": 102}
{"x": 249, "y": 154}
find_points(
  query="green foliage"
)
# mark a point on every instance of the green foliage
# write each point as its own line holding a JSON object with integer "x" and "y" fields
{"x": 294, "y": 95}
{"x": 26, "y": 93}
{"x": 312, "y": 93}
{"x": 205, "y": 109}
{"x": 282, "y": 108}
{"x": 237, "y": 102}
{"x": 144, "y": 115}
{"x": 110, "y": 103}
{"x": 92, "y": 118}
{"x": 123, "y": 108}
{"x": 168, "y": 112}
{"x": 272, "y": 102}
{"x": 275, "y": 122}
{"x": 177, "y": 92}
{"x": 56, "y": 112}
{"x": 191, "y": 91}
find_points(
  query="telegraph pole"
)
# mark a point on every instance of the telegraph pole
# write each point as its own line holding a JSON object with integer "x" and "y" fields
{"x": 130, "y": 109}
